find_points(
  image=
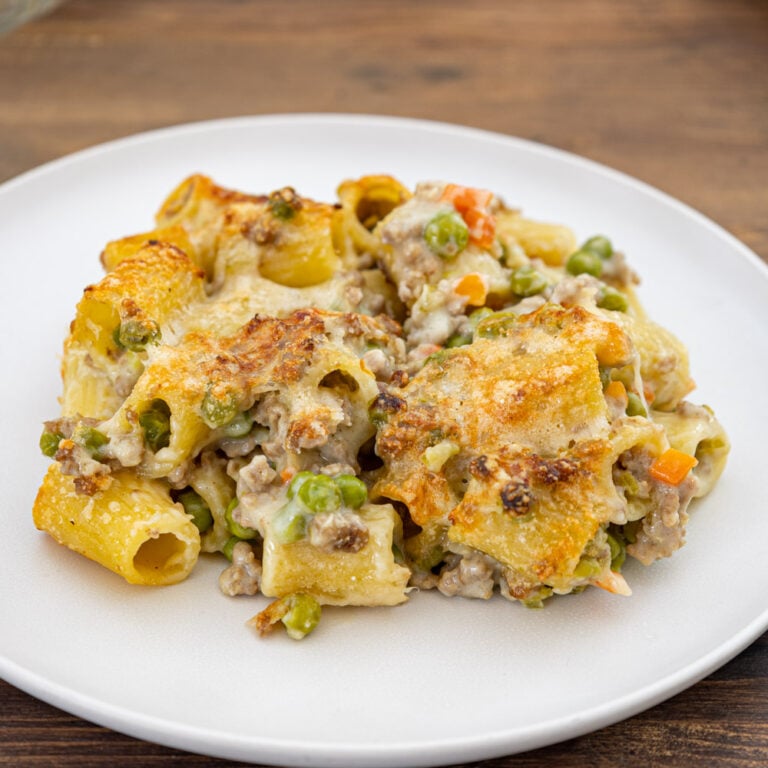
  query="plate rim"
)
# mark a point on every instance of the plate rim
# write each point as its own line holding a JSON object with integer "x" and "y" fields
{"x": 273, "y": 751}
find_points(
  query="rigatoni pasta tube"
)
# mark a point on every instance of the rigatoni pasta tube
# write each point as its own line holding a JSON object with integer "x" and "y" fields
{"x": 370, "y": 576}
{"x": 693, "y": 430}
{"x": 552, "y": 243}
{"x": 133, "y": 527}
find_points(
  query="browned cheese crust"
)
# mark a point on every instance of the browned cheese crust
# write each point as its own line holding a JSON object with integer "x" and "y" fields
{"x": 529, "y": 479}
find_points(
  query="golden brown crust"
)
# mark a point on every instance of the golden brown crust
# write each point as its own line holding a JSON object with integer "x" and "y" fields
{"x": 538, "y": 385}
{"x": 197, "y": 189}
{"x": 150, "y": 287}
{"x": 270, "y": 349}
{"x": 527, "y": 442}
{"x": 536, "y": 514}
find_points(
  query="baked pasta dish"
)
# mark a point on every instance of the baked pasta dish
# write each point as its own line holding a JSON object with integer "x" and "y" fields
{"x": 404, "y": 389}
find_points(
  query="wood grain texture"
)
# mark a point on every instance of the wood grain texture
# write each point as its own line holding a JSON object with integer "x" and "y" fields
{"x": 674, "y": 92}
{"x": 671, "y": 91}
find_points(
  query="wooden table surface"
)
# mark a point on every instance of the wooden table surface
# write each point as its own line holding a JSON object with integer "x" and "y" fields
{"x": 674, "y": 92}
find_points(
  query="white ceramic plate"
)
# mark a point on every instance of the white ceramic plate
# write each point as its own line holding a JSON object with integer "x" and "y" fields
{"x": 437, "y": 680}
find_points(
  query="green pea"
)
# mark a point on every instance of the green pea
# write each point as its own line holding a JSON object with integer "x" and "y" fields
{"x": 49, "y": 443}
{"x": 478, "y": 315}
{"x": 240, "y": 426}
{"x": 610, "y": 298}
{"x": 354, "y": 492}
{"x": 428, "y": 557}
{"x": 320, "y": 494}
{"x": 281, "y": 210}
{"x": 635, "y": 405}
{"x": 474, "y": 319}
{"x": 289, "y": 524}
{"x": 135, "y": 335}
{"x": 297, "y": 481}
{"x": 195, "y": 506}
{"x": 600, "y": 245}
{"x": 91, "y": 439}
{"x": 582, "y": 262}
{"x": 217, "y": 412}
{"x": 458, "y": 340}
{"x": 302, "y": 617}
{"x": 234, "y": 527}
{"x": 535, "y": 600}
{"x": 587, "y": 568}
{"x": 526, "y": 281}
{"x": 377, "y": 416}
{"x": 447, "y": 235}
{"x": 155, "y": 420}
{"x": 495, "y": 325}
{"x": 627, "y": 481}
{"x": 284, "y": 204}
{"x": 618, "y": 552}
{"x": 226, "y": 550}
{"x": 439, "y": 357}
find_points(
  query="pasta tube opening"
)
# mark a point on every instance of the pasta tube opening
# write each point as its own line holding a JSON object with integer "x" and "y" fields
{"x": 165, "y": 554}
